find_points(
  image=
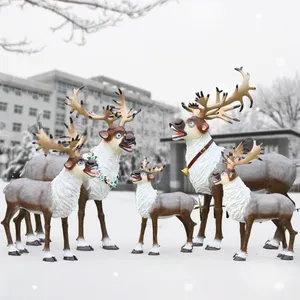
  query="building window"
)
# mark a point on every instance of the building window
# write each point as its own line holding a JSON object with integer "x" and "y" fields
{"x": 14, "y": 143}
{"x": 5, "y": 89}
{"x": 35, "y": 96}
{"x": 18, "y": 109}
{"x": 47, "y": 114}
{"x": 60, "y": 103}
{"x": 62, "y": 87}
{"x": 47, "y": 130}
{"x": 17, "y": 127}
{"x": 60, "y": 119}
{"x": 59, "y": 133}
{"x": 3, "y": 106}
{"x": 32, "y": 112}
{"x": 18, "y": 92}
{"x": 1, "y": 141}
{"x": 46, "y": 98}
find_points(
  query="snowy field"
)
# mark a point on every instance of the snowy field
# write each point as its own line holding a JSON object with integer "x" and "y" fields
{"x": 173, "y": 275}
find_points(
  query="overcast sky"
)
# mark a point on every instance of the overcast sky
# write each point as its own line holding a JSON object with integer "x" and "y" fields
{"x": 174, "y": 51}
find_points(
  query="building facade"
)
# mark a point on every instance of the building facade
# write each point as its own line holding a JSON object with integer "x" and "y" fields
{"x": 22, "y": 99}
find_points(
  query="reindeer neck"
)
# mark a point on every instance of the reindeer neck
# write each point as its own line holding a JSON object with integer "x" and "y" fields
{"x": 236, "y": 196}
{"x": 145, "y": 198}
{"x": 108, "y": 160}
{"x": 65, "y": 189}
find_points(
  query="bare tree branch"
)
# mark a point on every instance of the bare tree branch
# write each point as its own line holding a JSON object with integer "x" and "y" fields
{"x": 108, "y": 13}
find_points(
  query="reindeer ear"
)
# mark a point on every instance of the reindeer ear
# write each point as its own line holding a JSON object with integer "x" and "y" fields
{"x": 204, "y": 127}
{"x": 69, "y": 164}
{"x": 104, "y": 134}
{"x": 151, "y": 176}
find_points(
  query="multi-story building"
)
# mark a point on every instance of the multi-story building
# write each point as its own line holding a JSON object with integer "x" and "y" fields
{"x": 22, "y": 99}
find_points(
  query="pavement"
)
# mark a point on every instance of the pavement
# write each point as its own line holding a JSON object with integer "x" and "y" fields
{"x": 173, "y": 275}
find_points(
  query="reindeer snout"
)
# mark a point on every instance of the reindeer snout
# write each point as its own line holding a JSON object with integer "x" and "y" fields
{"x": 91, "y": 163}
{"x": 177, "y": 123}
{"x": 216, "y": 175}
{"x": 130, "y": 138}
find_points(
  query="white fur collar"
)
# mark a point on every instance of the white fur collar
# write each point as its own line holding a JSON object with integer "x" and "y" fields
{"x": 201, "y": 170}
{"x": 236, "y": 196}
{"x": 65, "y": 189}
{"x": 145, "y": 198}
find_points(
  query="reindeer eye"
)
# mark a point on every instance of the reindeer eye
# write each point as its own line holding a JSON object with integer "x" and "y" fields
{"x": 118, "y": 135}
{"x": 80, "y": 163}
{"x": 191, "y": 124}
{"x": 143, "y": 174}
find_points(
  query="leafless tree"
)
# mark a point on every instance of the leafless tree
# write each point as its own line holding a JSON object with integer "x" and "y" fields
{"x": 281, "y": 102}
{"x": 106, "y": 13}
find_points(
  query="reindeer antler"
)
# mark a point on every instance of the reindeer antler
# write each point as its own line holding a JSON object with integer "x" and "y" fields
{"x": 144, "y": 167}
{"x": 109, "y": 116}
{"x": 201, "y": 109}
{"x": 48, "y": 143}
{"x": 235, "y": 158}
{"x": 127, "y": 115}
{"x": 156, "y": 169}
{"x": 144, "y": 164}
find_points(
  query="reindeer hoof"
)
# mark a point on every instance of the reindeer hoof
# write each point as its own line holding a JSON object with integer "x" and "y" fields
{"x": 287, "y": 257}
{"x": 43, "y": 240}
{"x": 153, "y": 253}
{"x": 210, "y": 248}
{"x": 184, "y": 250}
{"x": 238, "y": 258}
{"x": 14, "y": 253}
{"x": 34, "y": 243}
{"x": 137, "y": 251}
{"x": 270, "y": 247}
{"x": 85, "y": 248}
{"x": 112, "y": 247}
{"x": 24, "y": 251}
{"x": 70, "y": 258}
{"x": 197, "y": 244}
{"x": 50, "y": 259}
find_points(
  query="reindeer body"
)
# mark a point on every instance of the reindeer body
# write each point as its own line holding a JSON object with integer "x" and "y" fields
{"x": 153, "y": 205}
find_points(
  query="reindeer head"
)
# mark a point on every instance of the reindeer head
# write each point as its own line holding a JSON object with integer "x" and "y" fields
{"x": 145, "y": 174}
{"x": 76, "y": 164}
{"x": 116, "y": 137}
{"x": 195, "y": 126}
{"x": 236, "y": 158}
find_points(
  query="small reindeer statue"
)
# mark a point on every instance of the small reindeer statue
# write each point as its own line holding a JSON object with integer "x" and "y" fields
{"x": 108, "y": 152}
{"x": 247, "y": 207}
{"x": 54, "y": 199}
{"x": 155, "y": 206}
{"x": 275, "y": 174}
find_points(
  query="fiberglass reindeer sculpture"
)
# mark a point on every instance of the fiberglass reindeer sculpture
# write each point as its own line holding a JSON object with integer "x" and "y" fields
{"x": 108, "y": 152}
{"x": 156, "y": 206}
{"x": 276, "y": 173}
{"x": 54, "y": 199}
{"x": 247, "y": 207}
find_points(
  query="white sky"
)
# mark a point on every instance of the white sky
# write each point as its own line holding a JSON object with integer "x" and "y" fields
{"x": 174, "y": 51}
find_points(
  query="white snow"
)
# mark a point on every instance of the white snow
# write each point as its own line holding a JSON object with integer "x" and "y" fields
{"x": 174, "y": 275}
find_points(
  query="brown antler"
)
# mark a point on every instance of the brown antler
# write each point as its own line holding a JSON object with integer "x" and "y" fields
{"x": 235, "y": 158}
{"x": 201, "y": 109}
{"x": 156, "y": 169}
{"x": 108, "y": 115}
{"x": 48, "y": 143}
{"x": 127, "y": 115}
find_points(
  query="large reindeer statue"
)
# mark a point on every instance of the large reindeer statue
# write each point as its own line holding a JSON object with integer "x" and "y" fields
{"x": 247, "y": 207}
{"x": 108, "y": 152}
{"x": 155, "y": 206}
{"x": 54, "y": 199}
{"x": 276, "y": 173}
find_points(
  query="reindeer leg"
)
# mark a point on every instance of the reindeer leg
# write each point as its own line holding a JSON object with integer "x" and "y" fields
{"x": 204, "y": 211}
{"x": 31, "y": 239}
{"x": 10, "y": 211}
{"x": 81, "y": 243}
{"x": 47, "y": 254}
{"x": 155, "y": 248}
{"x": 17, "y": 220}
{"x": 281, "y": 229}
{"x": 68, "y": 255}
{"x": 289, "y": 255}
{"x": 242, "y": 237}
{"x": 243, "y": 254}
{"x": 39, "y": 228}
{"x": 139, "y": 248}
{"x": 217, "y": 193}
{"x": 189, "y": 224}
{"x": 107, "y": 244}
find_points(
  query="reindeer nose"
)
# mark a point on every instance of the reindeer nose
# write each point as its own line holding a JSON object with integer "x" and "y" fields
{"x": 130, "y": 138}
{"x": 177, "y": 123}
{"x": 91, "y": 162}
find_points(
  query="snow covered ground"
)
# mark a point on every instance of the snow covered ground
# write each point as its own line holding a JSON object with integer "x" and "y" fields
{"x": 103, "y": 274}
